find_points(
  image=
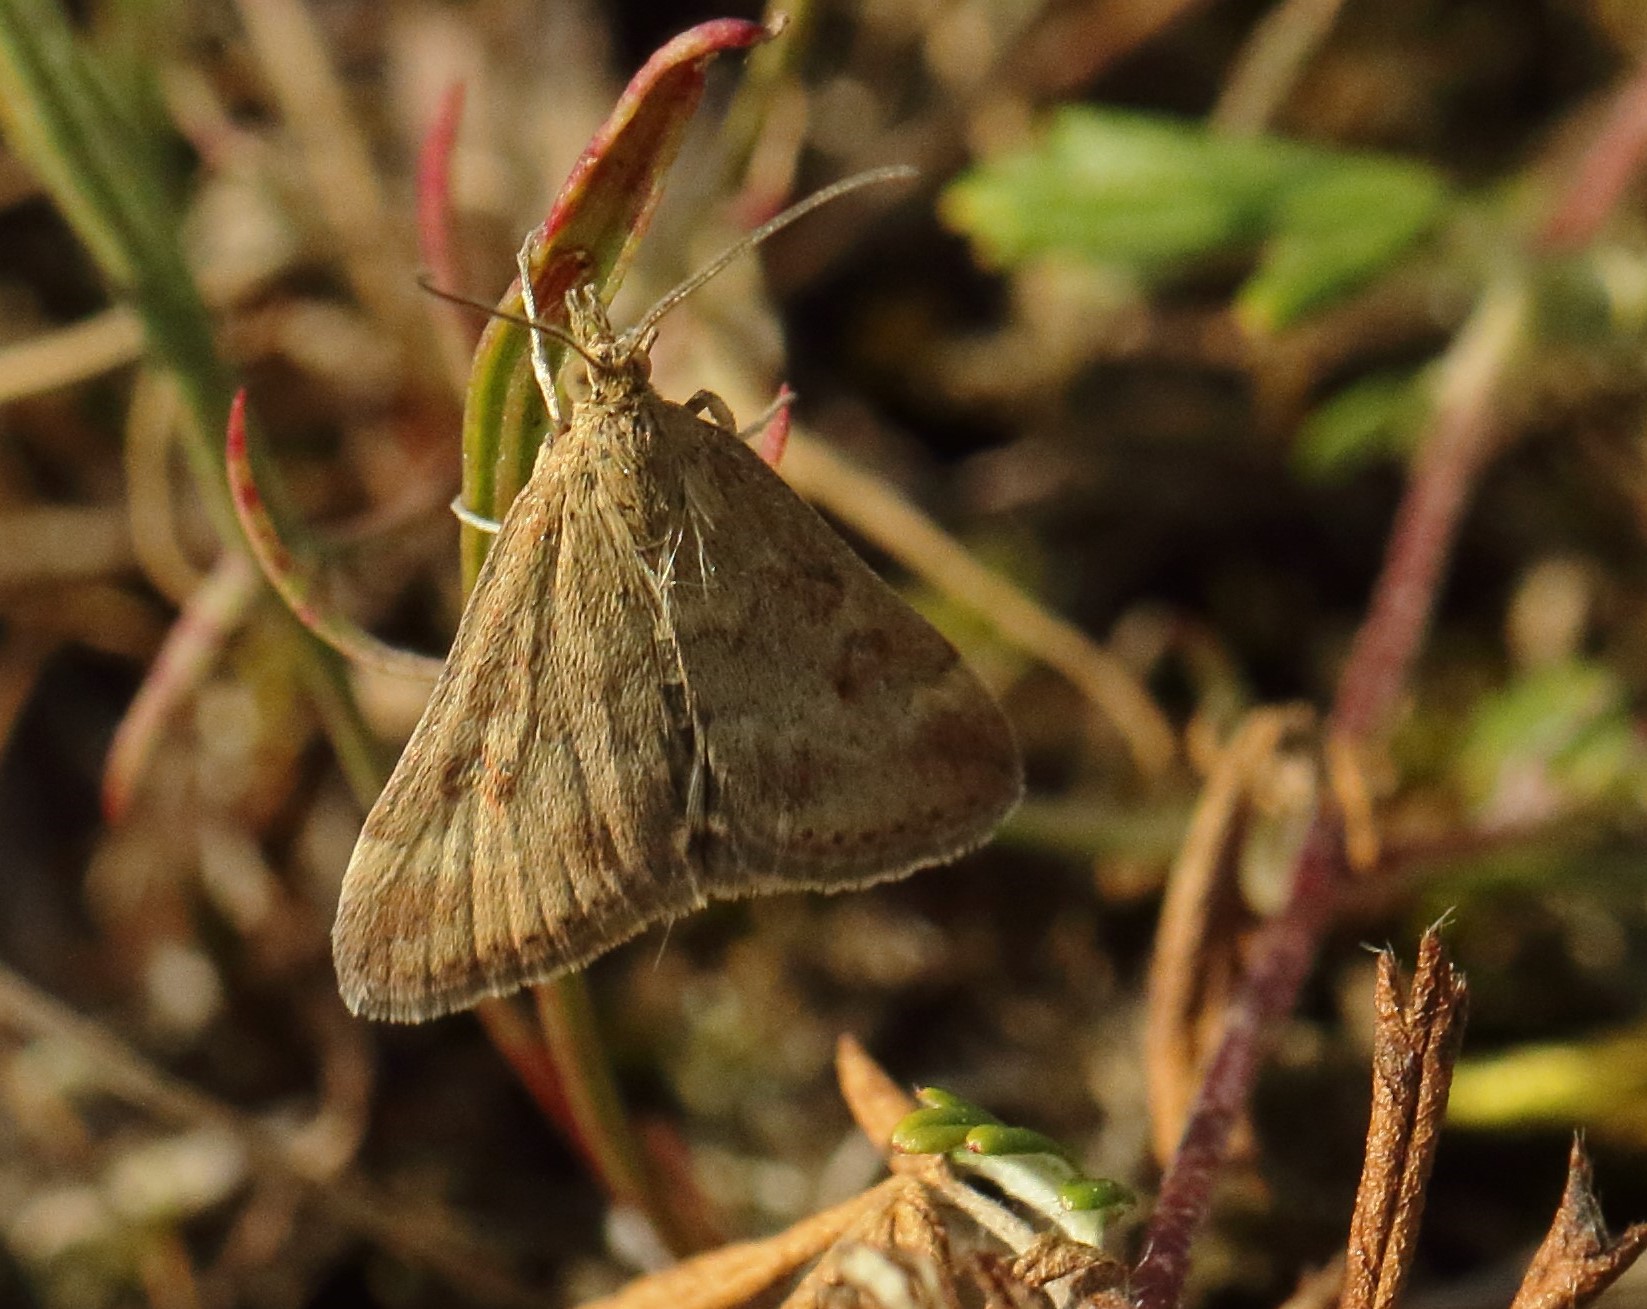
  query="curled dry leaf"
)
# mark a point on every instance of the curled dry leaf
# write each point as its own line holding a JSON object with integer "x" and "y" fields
{"x": 1577, "y": 1260}
{"x": 1194, "y": 965}
{"x": 1414, "y": 1049}
{"x": 877, "y": 1103}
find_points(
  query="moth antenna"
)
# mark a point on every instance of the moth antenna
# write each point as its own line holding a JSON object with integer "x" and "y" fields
{"x": 741, "y": 247}
{"x": 520, "y": 320}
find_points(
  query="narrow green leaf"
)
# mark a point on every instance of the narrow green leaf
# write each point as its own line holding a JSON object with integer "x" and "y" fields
{"x": 1087, "y": 1194}
{"x": 1337, "y": 227}
{"x": 998, "y": 1139}
{"x": 1371, "y": 419}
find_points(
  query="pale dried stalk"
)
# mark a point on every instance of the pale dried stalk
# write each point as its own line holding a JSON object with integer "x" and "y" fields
{"x": 1414, "y": 1049}
{"x": 56, "y": 543}
{"x": 152, "y": 435}
{"x": 71, "y": 354}
{"x": 1186, "y": 972}
{"x": 336, "y": 155}
{"x": 1271, "y": 63}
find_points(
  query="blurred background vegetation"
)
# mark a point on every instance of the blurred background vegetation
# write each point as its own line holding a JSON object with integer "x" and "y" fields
{"x": 1154, "y": 337}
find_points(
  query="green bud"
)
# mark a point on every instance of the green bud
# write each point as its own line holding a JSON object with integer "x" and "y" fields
{"x": 1083, "y": 1194}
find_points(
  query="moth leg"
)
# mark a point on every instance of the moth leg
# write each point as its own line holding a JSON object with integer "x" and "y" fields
{"x": 783, "y": 400}
{"x": 479, "y": 522}
{"x": 769, "y": 434}
{"x": 707, "y": 402}
{"x": 543, "y": 368}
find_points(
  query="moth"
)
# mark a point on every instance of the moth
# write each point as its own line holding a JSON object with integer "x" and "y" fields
{"x": 672, "y": 683}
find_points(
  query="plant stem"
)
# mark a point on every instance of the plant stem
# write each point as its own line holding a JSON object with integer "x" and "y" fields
{"x": 1370, "y": 688}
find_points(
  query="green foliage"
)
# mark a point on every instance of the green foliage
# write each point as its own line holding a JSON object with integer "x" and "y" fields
{"x": 1152, "y": 195}
{"x": 1567, "y": 723}
{"x": 1370, "y": 419}
{"x": 1026, "y": 1164}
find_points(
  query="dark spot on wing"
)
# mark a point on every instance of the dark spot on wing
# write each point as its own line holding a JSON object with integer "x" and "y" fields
{"x": 817, "y": 592}
{"x": 500, "y": 783}
{"x": 863, "y": 664}
{"x": 456, "y": 775}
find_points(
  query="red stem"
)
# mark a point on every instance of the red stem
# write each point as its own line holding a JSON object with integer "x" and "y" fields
{"x": 1604, "y": 173}
{"x": 1283, "y": 954}
{"x": 1370, "y": 689}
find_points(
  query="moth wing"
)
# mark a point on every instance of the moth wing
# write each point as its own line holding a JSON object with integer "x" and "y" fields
{"x": 847, "y": 741}
{"x": 533, "y": 820}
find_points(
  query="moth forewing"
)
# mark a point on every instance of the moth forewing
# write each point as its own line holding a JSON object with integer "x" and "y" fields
{"x": 673, "y": 681}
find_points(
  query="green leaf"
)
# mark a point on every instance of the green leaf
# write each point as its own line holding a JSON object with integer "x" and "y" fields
{"x": 928, "y": 1138}
{"x": 1150, "y": 195}
{"x": 1119, "y": 188}
{"x": 941, "y": 1126}
{"x": 1087, "y": 1194}
{"x": 998, "y": 1139}
{"x": 1570, "y": 719}
{"x": 1371, "y": 419}
{"x": 1336, "y": 229}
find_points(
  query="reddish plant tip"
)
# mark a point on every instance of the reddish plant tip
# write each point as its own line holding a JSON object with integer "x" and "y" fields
{"x": 775, "y": 439}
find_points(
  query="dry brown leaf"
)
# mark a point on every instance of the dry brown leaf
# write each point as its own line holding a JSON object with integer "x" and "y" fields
{"x": 1577, "y": 1260}
{"x": 1194, "y": 963}
{"x": 738, "y": 1273}
{"x": 1414, "y": 1048}
{"x": 877, "y": 1103}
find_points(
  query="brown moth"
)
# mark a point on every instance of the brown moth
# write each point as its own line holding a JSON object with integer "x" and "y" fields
{"x": 673, "y": 683}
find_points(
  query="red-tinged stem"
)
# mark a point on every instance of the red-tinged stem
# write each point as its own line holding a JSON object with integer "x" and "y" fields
{"x": 1421, "y": 538}
{"x": 1370, "y": 688}
{"x": 594, "y": 1110}
{"x": 523, "y": 1050}
{"x": 1604, "y": 172}
{"x": 434, "y": 189}
{"x": 457, "y": 330}
{"x": 293, "y": 580}
{"x": 1282, "y": 957}
{"x": 190, "y": 650}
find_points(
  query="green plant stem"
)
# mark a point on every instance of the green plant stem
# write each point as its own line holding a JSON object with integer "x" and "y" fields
{"x": 567, "y": 1018}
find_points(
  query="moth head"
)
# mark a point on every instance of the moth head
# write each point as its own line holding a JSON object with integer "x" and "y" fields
{"x": 616, "y": 361}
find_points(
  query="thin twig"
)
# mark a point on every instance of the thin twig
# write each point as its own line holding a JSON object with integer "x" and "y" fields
{"x": 1271, "y": 62}
{"x": 153, "y": 417}
{"x": 209, "y": 618}
{"x": 68, "y": 355}
{"x": 336, "y": 156}
{"x": 1462, "y": 438}
{"x": 1184, "y": 974}
{"x": 62, "y": 543}
{"x": 1604, "y": 173}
